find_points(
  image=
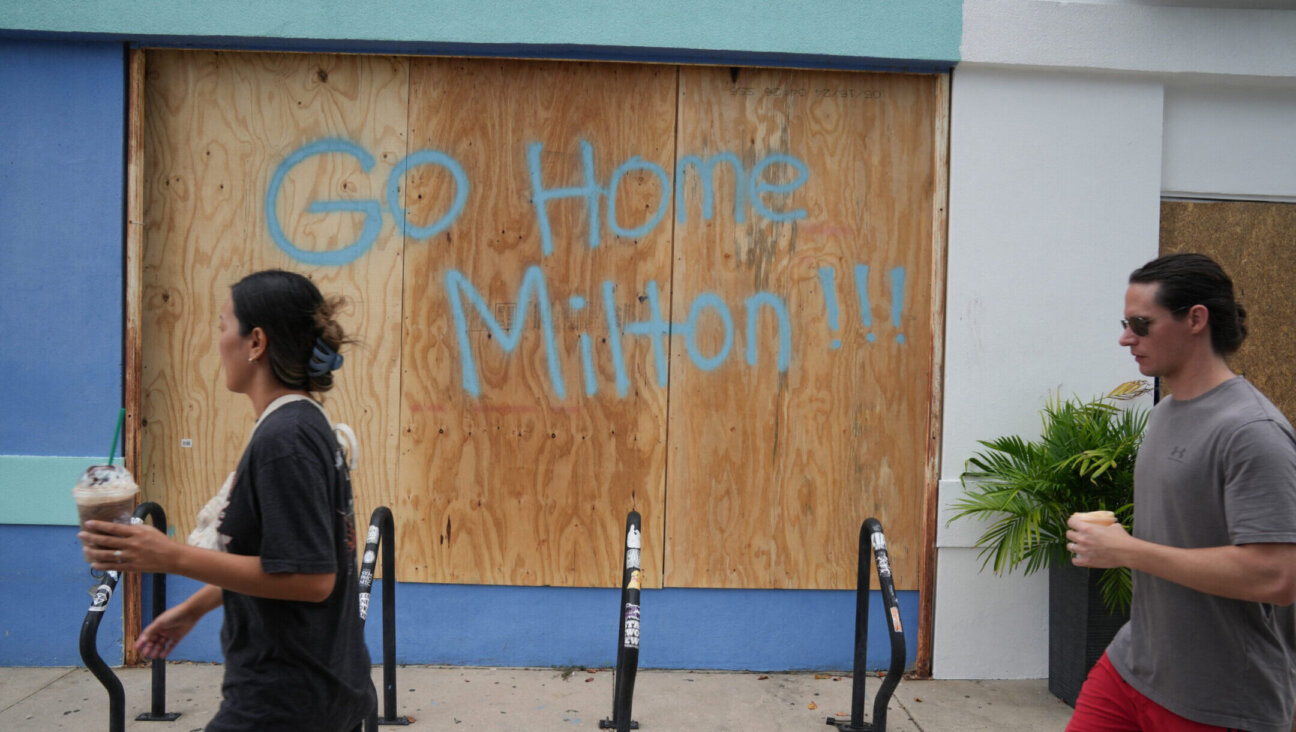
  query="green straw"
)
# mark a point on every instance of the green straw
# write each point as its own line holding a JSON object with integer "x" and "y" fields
{"x": 112, "y": 451}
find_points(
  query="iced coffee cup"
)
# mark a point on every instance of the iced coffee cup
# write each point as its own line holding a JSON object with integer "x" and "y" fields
{"x": 105, "y": 493}
{"x": 1104, "y": 518}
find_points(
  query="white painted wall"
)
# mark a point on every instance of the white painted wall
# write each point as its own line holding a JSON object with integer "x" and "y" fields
{"x": 1132, "y": 36}
{"x": 1069, "y": 123}
{"x": 1054, "y": 198}
{"x": 1231, "y": 138}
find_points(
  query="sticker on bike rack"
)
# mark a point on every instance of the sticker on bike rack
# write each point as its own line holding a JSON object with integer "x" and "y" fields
{"x": 883, "y": 564}
{"x": 635, "y": 581}
{"x": 102, "y": 594}
{"x": 878, "y": 540}
{"x": 631, "y": 625}
{"x": 895, "y": 619}
{"x": 370, "y": 557}
{"x": 364, "y": 606}
{"x": 633, "y": 539}
{"x": 632, "y": 559}
{"x": 372, "y": 537}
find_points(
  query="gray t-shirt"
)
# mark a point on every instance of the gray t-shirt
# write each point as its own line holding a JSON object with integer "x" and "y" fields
{"x": 1216, "y": 470}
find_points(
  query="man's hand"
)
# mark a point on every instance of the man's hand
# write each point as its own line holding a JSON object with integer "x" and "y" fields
{"x": 1097, "y": 546}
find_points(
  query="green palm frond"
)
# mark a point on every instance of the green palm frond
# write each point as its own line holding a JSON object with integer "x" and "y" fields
{"x": 1026, "y": 489}
{"x": 1117, "y": 587}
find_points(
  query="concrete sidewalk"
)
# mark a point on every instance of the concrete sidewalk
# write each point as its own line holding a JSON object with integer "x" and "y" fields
{"x": 548, "y": 699}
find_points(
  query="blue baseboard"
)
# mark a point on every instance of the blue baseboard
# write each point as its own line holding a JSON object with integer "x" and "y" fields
{"x": 47, "y": 585}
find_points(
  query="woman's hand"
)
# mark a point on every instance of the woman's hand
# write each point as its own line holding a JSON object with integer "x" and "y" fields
{"x": 126, "y": 547}
{"x": 162, "y": 635}
{"x": 141, "y": 548}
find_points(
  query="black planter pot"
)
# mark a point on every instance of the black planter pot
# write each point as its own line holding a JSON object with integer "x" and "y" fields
{"x": 1080, "y": 627}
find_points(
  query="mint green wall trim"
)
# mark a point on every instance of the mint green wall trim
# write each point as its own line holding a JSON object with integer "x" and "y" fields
{"x": 913, "y": 29}
{"x": 38, "y": 490}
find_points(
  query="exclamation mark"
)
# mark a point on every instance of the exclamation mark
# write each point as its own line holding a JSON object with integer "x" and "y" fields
{"x": 587, "y": 350}
{"x": 828, "y": 281}
{"x": 866, "y": 308}
{"x": 897, "y": 300}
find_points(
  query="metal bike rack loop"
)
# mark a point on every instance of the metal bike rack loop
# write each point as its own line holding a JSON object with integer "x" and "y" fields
{"x": 627, "y": 664}
{"x": 157, "y": 712}
{"x": 90, "y": 652}
{"x": 382, "y": 530}
{"x": 90, "y": 632}
{"x": 871, "y": 535}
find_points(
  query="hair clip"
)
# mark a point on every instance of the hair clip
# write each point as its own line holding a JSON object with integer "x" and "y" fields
{"x": 324, "y": 359}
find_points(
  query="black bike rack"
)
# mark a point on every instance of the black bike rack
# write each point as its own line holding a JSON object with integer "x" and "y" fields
{"x": 90, "y": 652}
{"x": 158, "y": 712}
{"x": 90, "y": 632}
{"x": 627, "y": 664}
{"x": 871, "y": 534}
{"x": 382, "y": 530}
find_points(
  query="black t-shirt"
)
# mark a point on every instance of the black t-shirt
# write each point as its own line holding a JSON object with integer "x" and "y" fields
{"x": 293, "y": 665}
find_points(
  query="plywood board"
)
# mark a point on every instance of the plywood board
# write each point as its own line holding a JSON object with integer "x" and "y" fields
{"x": 708, "y": 295}
{"x": 221, "y": 129}
{"x": 1255, "y": 243}
{"x": 525, "y": 442}
{"x": 802, "y": 359}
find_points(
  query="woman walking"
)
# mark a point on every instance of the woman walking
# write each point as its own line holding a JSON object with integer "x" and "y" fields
{"x": 280, "y": 553}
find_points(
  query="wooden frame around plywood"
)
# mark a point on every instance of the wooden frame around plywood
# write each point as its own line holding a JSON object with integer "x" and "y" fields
{"x": 135, "y": 195}
{"x": 134, "y": 233}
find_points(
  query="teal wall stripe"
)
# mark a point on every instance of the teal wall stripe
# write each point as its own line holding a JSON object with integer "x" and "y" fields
{"x": 917, "y": 30}
{"x": 37, "y": 489}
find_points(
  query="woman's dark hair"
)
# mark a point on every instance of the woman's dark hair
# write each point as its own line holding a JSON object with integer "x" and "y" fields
{"x": 293, "y": 314}
{"x": 1196, "y": 279}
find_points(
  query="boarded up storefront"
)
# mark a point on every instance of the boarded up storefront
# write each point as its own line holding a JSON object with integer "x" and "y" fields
{"x": 1254, "y": 242}
{"x": 708, "y": 294}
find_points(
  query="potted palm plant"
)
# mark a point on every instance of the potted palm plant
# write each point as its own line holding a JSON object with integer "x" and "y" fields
{"x": 1026, "y": 489}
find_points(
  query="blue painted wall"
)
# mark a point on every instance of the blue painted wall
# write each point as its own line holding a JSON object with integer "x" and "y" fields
{"x": 47, "y": 588}
{"x": 61, "y": 188}
{"x": 61, "y": 193}
{"x": 549, "y": 626}
{"x": 61, "y": 310}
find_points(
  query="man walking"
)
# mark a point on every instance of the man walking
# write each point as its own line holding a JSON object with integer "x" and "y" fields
{"x": 1211, "y": 642}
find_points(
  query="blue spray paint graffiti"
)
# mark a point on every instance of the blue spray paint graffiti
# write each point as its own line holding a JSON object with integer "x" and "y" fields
{"x": 457, "y": 286}
{"x": 748, "y": 188}
{"x": 707, "y": 306}
{"x": 369, "y": 207}
{"x": 828, "y": 281}
{"x": 707, "y": 310}
{"x": 897, "y": 300}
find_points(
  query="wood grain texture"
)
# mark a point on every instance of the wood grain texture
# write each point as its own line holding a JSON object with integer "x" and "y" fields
{"x": 218, "y": 126}
{"x": 132, "y": 615}
{"x": 936, "y": 398}
{"x": 1255, "y": 243}
{"x": 518, "y": 484}
{"x": 770, "y": 472}
{"x": 511, "y": 456}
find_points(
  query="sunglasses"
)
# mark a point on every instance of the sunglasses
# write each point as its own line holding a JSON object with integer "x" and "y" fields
{"x": 1140, "y": 325}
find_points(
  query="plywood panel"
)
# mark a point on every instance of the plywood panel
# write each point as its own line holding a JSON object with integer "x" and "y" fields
{"x": 1256, "y": 244}
{"x": 219, "y": 127}
{"x": 510, "y": 450}
{"x": 521, "y": 451}
{"x": 773, "y": 466}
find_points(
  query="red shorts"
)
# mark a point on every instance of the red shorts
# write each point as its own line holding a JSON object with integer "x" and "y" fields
{"x": 1108, "y": 704}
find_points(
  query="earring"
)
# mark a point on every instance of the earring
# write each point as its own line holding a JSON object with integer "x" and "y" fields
{"x": 251, "y": 359}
